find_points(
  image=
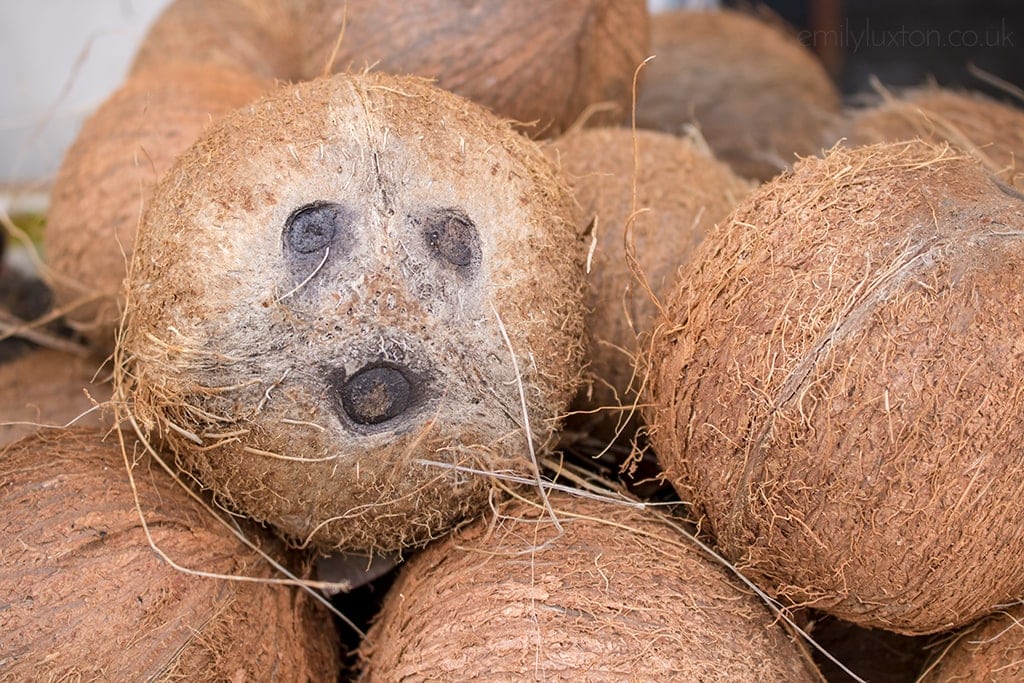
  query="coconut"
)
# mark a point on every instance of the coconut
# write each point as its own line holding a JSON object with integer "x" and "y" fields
{"x": 87, "y": 598}
{"x": 992, "y": 130}
{"x": 51, "y": 388}
{"x": 345, "y": 292}
{"x": 758, "y": 95}
{"x": 256, "y": 37}
{"x": 108, "y": 174}
{"x": 681, "y": 191}
{"x": 840, "y": 393}
{"x": 613, "y": 594}
{"x": 988, "y": 651}
{"x": 542, "y": 63}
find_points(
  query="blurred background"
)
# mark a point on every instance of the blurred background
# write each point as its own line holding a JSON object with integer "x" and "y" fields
{"x": 60, "y": 58}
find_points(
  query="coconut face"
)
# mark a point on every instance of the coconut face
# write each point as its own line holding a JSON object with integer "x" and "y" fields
{"x": 317, "y": 305}
{"x": 613, "y": 594}
{"x": 840, "y": 394}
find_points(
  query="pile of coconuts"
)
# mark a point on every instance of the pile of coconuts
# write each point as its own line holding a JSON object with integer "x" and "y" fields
{"x": 350, "y": 285}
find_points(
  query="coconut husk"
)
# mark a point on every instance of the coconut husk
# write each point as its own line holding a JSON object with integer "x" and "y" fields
{"x": 840, "y": 392}
{"x": 991, "y": 130}
{"x": 543, "y": 63}
{"x": 757, "y": 94}
{"x": 108, "y": 174}
{"x": 320, "y": 299}
{"x": 650, "y": 198}
{"x": 87, "y": 597}
{"x": 255, "y": 37}
{"x": 988, "y": 651}
{"x": 610, "y": 593}
{"x": 47, "y": 388}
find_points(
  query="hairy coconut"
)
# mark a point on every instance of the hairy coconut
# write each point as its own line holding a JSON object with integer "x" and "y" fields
{"x": 988, "y": 651}
{"x": 87, "y": 598}
{"x": 758, "y": 95}
{"x": 841, "y": 393}
{"x": 615, "y": 594}
{"x": 681, "y": 191}
{"x": 994, "y": 131}
{"x": 50, "y": 388}
{"x": 319, "y": 303}
{"x": 538, "y": 62}
{"x": 108, "y": 175}
{"x": 257, "y": 37}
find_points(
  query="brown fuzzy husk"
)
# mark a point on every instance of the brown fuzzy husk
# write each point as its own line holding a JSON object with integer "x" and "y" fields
{"x": 87, "y": 598}
{"x": 539, "y": 62}
{"x": 108, "y": 175}
{"x": 988, "y": 651}
{"x": 256, "y": 37}
{"x": 841, "y": 392}
{"x": 757, "y": 94}
{"x": 991, "y": 130}
{"x": 51, "y": 388}
{"x": 235, "y": 344}
{"x": 620, "y": 595}
{"x": 681, "y": 191}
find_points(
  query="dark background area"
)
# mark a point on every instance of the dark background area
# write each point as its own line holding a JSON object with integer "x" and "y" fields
{"x": 907, "y": 42}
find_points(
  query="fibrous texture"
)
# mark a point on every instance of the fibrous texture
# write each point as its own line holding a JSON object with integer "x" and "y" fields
{"x": 992, "y": 131}
{"x": 758, "y": 96}
{"x": 86, "y": 596}
{"x": 609, "y": 594}
{"x": 841, "y": 390}
{"x": 539, "y": 62}
{"x": 344, "y": 293}
{"x": 648, "y": 198}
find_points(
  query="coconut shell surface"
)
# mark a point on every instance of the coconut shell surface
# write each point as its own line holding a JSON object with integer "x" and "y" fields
{"x": 757, "y": 94}
{"x": 992, "y": 130}
{"x": 255, "y": 37}
{"x": 319, "y": 303}
{"x": 87, "y": 598}
{"x": 681, "y": 192}
{"x": 618, "y": 595}
{"x": 840, "y": 392}
{"x": 46, "y": 388}
{"x": 108, "y": 174}
{"x": 989, "y": 651}
{"x": 539, "y": 62}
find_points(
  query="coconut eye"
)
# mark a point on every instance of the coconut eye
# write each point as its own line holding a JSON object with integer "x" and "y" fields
{"x": 314, "y": 227}
{"x": 374, "y": 394}
{"x": 453, "y": 238}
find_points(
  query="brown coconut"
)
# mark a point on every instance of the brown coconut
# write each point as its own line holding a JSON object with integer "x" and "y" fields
{"x": 256, "y": 37}
{"x": 87, "y": 598}
{"x": 539, "y": 62}
{"x": 757, "y": 94}
{"x": 840, "y": 394}
{"x": 988, "y": 651}
{"x": 681, "y": 191}
{"x": 992, "y": 130}
{"x": 319, "y": 302}
{"x": 616, "y": 594}
{"x": 108, "y": 175}
{"x": 48, "y": 388}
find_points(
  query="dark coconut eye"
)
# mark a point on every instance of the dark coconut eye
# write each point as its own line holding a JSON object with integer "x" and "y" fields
{"x": 452, "y": 238}
{"x": 315, "y": 227}
{"x": 375, "y": 393}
